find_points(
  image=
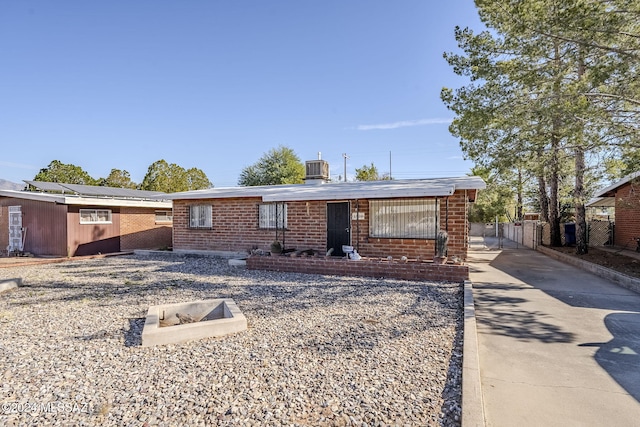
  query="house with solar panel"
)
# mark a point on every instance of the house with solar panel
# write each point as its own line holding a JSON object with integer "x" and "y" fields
{"x": 392, "y": 218}
{"x": 57, "y": 219}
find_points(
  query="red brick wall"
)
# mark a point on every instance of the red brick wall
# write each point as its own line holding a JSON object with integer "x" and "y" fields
{"x": 365, "y": 268}
{"x": 235, "y": 228}
{"x": 456, "y": 225}
{"x": 139, "y": 230}
{"x": 627, "y": 215}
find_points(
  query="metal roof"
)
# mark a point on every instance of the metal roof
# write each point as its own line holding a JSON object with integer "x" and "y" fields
{"x": 95, "y": 190}
{"x": 434, "y": 187}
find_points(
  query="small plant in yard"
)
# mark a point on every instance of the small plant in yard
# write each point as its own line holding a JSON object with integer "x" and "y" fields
{"x": 442, "y": 240}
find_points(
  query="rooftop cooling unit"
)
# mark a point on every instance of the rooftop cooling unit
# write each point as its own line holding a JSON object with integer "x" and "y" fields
{"x": 317, "y": 169}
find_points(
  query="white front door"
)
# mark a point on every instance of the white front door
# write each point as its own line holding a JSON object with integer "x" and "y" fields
{"x": 15, "y": 228}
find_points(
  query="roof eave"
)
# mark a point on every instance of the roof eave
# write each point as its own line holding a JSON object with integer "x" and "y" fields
{"x": 355, "y": 195}
{"x": 610, "y": 191}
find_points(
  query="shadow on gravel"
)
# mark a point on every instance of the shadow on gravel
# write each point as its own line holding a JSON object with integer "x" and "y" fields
{"x": 133, "y": 335}
{"x": 452, "y": 392}
{"x": 105, "y": 282}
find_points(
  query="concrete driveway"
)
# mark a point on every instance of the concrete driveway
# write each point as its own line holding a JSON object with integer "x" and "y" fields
{"x": 557, "y": 346}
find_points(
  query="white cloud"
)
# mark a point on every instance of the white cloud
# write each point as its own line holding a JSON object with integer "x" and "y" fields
{"x": 17, "y": 165}
{"x": 405, "y": 123}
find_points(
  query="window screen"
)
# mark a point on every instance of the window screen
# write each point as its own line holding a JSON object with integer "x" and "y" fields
{"x": 403, "y": 218}
{"x": 164, "y": 216}
{"x": 95, "y": 216}
{"x": 273, "y": 215}
{"x": 200, "y": 216}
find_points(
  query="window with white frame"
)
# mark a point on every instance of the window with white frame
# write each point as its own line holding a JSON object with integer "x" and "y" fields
{"x": 164, "y": 216}
{"x": 403, "y": 218}
{"x": 201, "y": 216}
{"x": 95, "y": 216}
{"x": 273, "y": 215}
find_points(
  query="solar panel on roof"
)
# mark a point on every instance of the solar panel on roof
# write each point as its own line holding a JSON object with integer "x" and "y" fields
{"x": 47, "y": 186}
{"x": 94, "y": 190}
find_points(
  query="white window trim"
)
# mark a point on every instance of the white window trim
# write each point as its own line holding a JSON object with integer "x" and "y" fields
{"x": 267, "y": 216}
{"x": 94, "y": 215}
{"x": 203, "y": 219}
{"x": 168, "y": 216}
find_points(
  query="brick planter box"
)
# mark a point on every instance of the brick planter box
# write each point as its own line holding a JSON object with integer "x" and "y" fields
{"x": 366, "y": 267}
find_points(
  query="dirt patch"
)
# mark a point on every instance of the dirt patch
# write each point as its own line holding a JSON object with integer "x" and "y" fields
{"x": 613, "y": 260}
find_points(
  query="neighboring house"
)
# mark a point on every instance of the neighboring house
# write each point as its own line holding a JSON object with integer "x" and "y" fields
{"x": 379, "y": 218}
{"x": 73, "y": 220}
{"x": 625, "y": 196}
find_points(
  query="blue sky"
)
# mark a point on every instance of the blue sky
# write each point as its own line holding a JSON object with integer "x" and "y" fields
{"x": 216, "y": 84}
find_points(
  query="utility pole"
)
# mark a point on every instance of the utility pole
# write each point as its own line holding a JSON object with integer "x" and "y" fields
{"x": 345, "y": 165}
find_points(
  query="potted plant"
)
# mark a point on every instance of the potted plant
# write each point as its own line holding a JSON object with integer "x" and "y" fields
{"x": 442, "y": 240}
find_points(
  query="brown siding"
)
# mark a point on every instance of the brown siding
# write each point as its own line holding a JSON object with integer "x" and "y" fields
{"x": 235, "y": 228}
{"x": 139, "y": 230}
{"x": 45, "y": 226}
{"x": 4, "y": 227}
{"x": 627, "y": 227}
{"x": 91, "y": 239}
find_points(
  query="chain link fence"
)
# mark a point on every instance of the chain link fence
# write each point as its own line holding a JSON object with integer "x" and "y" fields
{"x": 600, "y": 233}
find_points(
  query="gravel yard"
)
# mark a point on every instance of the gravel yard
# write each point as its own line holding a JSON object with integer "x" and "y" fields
{"x": 319, "y": 351}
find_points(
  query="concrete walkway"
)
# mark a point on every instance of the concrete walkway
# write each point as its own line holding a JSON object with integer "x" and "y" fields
{"x": 557, "y": 346}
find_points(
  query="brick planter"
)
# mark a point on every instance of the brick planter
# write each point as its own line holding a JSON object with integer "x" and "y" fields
{"x": 366, "y": 267}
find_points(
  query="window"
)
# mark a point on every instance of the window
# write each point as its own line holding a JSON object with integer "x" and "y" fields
{"x": 403, "y": 218}
{"x": 95, "y": 216}
{"x": 164, "y": 216}
{"x": 273, "y": 215}
{"x": 200, "y": 216}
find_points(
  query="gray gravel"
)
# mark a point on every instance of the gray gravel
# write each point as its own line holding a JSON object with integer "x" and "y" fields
{"x": 319, "y": 351}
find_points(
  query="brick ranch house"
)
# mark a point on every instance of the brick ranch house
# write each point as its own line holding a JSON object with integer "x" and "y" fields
{"x": 379, "y": 219}
{"x": 74, "y": 220}
{"x": 624, "y": 195}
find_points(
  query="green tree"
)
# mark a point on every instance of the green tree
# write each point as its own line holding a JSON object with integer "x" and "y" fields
{"x": 197, "y": 179}
{"x": 367, "y": 173}
{"x": 171, "y": 178}
{"x": 64, "y": 173}
{"x": 117, "y": 178}
{"x": 547, "y": 90}
{"x": 278, "y": 166}
{"x": 494, "y": 201}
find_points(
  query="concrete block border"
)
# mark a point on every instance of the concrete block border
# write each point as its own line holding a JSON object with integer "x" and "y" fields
{"x": 219, "y": 316}
{"x": 472, "y": 402}
{"x": 7, "y": 285}
{"x": 620, "y": 279}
